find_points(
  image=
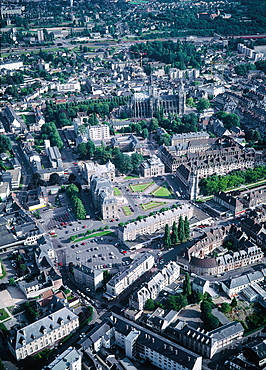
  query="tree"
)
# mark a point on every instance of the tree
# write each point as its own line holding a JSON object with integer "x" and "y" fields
{"x": 167, "y": 237}
{"x": 11, "y": 281}
{"x": 5, "y": 144}
{"x": 211, "y": 321}
{"x": 150, "y": 305}
{"x": 174, "y": 235}
{"x": 136, "y": 160}
{"x": 145, "y": 133}
{"x": 206, "y": 307}
{"x": 23, "y": 267}
{"x": 153, "y": 125}
{"x": 72, "y": 177}
{"x": 54, "y": 179}
{"x": 123, "y": 163}
{"x": 202, "y": 104}
{"x": 187, "y": 289}
{"x": 71, "y": 190}
{"x": 225, "y": 307}
{"x": 186, "y": 228}
{"x": 234, "y": 302}
{"x": 181, "y": 230}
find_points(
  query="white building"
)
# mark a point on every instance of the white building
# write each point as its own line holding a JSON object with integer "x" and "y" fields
{"x": 4, "y": 190}
{"x": 152, "y": 167}
{"x": 106, "y": 170}
{"x": 88, "y": 277}
{"x": 141, "y": 343}
{"x": 70, "y": 359}
{"x": 152, "y": 288}
{"x": 233, "y": 286}
{"x": 43, "y": 333}
{"x": 154, "y": 224}
{"x": 70, "y": 86}
{"x": 99, "y": 132}
{"x": 129, "y": 275}
{"x": 11, "y": 66}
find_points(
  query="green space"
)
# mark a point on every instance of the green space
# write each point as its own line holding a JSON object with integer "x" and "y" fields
{"x": 30, "y": 118}
{"x": 163, "y": 192}
{"x": 3, "y": 271}
{"x": 3, "y": 314}
{"x": 117, "y": 191}
{"x": 140, "y": 187}
{"x": 215, "y": 183}
{"x": 130, "y": 177}
{"x": 127, "y": 211}
{"x": 150, "y": 205}
{"x": 100, "y": 233}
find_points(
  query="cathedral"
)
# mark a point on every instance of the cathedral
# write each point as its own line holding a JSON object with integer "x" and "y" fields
{"x": 145, "y": 105}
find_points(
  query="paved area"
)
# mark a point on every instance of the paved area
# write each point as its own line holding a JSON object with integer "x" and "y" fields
{"x": 11, "y": 297}
{"x": 54, "y": 217}
{"x": 191, "y": 315}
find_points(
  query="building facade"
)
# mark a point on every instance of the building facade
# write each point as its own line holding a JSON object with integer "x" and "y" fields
{"x": 99, "y": 132}
{"x": 43, "y": 333}
{"x": 129, "y": 275}
{"x": 103, "y": 198}
{"x": 152, "y": 167}
{"x": 88, "y": 277}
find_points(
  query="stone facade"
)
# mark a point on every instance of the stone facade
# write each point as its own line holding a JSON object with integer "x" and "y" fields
{"x": 103, "y": 198}
{"x": 152, "y": 167}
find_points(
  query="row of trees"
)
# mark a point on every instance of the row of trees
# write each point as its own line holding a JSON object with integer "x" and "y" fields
{"x": 215, "y": 183}
{"x": 78, "y": 207}
{"x": 179, "y": 232}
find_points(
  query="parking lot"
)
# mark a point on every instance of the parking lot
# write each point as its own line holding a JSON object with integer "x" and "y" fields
{"x": 97, "y": 253}
{"x": 54, "y": 218}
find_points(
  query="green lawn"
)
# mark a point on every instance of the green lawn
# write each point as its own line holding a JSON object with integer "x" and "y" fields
{"x": 152, "y": 204}
{"x": 117, "y": 191}
{"x": 3, "y": 314}
{"x": 127, "y": 211}
{"x": 140, "y": 187}
{"x": 163, "y": 192}
{"x": 130, "y": 177}
{"x": 100, "y": 233}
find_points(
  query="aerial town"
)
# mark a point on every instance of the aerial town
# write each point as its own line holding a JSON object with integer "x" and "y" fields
{"x": 133, "y": 185}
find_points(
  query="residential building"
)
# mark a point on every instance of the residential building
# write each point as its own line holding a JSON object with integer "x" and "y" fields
{"x": 4, "y": 191}
{"x": 90, "y": 278}
{"x": 129, "y": 275}
{"x": 127, "y": 143}
{"x": 152, "y": 167}
{"x": 11, "y": 65}
{"x": 233, "y": 286}
{"x": 203, "y": 342}
{"x": 154, "y": 224}
{"x": 103, "y": 198}
{"x": 54, "y": 156}
{"x": 160, "y": 319}
{"x": 16, "y": 124}
{"x": 106, "y": 170}
{"x": 200, "y": 285}
{"x": 188, "y": 136}
{"x": 43, "y": 333}
{"x": 13, "y": 177}
{"x": 99, "y": 132}
{"x": 141, "y": 344}
{"x": 70, "y": 86}
{"x": 70, "y": 359}
{"x": 156, "y": 283}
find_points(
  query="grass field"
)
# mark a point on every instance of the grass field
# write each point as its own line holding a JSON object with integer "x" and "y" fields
{"x": 150, "y": 205}
{"x": 130, "y": 177}
{"x": 163, "y": 192}
{"x": 100, "y": 233}
{"x": 140, "y": 187}
{"x": 117, "y": 191}
{"x": 3, "y": 314}
{"x": 127, "y": 211}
